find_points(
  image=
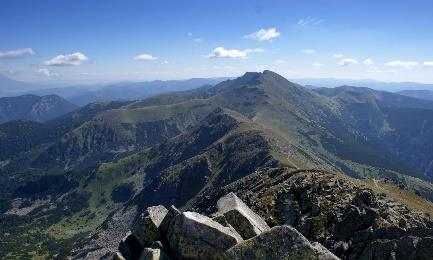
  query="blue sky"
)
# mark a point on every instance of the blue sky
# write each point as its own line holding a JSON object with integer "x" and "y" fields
{"x": 83, "y": 40}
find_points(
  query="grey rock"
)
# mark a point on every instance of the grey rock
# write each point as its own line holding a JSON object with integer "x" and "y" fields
{"x": 378, "y": 250}
{"x": 129, "y": 247}
{"x": 322, "y": 252}
{"x": 364, "y": 197}
{"x": 171, "y": 214}
{"x": 247, "y": 223}
{"x": 407, "y": 248}
{"x": 340, "y": 247}
{"x": 194, "y": 236}
{"x": 118, "y": 256}
{"x": 425, "y": 248}
{"x": 281, "y": 242}
{"x": 153, "y": 254}
{"x": 146, "y": 228}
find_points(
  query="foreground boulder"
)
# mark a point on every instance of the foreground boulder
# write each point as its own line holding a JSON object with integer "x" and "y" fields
{"x": 194, "y": 236}
{"x": 281, "y": 242}
{"x": 129, "y": 247}
{"x": 171, "y": 214}
{"x": 170, "y": 234}
{"x": 234, "y": 211}
{"x": 146, "y": 228}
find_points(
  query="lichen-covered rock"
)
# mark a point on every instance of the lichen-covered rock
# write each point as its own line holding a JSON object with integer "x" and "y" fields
{"x": 146, "y": 228}
{"x": 247, "y": 223}
{"x": 281, "y": 242}
{"x": 129, "y": 247}
{"x": 194, "y": 236}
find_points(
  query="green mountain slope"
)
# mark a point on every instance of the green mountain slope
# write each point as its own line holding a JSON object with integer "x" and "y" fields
{"x": 110, "y": 160}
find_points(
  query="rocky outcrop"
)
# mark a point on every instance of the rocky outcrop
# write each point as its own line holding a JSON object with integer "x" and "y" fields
{"x": 347, "y": 217}
{"x": 280, "y": 242}
{"x": 194, "y": 236}
{"x": 233, "y": 211}
{"x": 146, "y": 228}
{"x": 190, "y": 235}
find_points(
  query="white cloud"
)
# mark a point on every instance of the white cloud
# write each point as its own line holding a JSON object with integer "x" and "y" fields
{"x": 409, "y": 65}
{"x": 338, "y": 56}
{"x": 309, "y": 21}
{"x": 189, "y": 34}
{"x": 309, "y": 51}
{"x": 165, "y": 62}
{"x": 428, "y": 63}
{"x": 73, "y": 59}
{"x": 347, "y": 62}
{"x": 317, "y": 65}
{"x": 368, "y": 62}
{"x": 144, "y": 56}
{"x": 198, "y": 40}
{"x": 280, "y": 61}
{"x": 263, "y": 34}
{"x": 46, "y": 72}
{"x": 221, "y": 52}
{"x": 17, "y": 53}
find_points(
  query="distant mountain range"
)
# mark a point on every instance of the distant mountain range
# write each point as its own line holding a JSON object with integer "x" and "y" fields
{"x": 32, "y": 107}
{"x": 373, "y": 84}
{"x": 422, "y": 94}
{"x": 82, "y": 95}
{"x": 72, "y": 185}
{"x": 10, "y": 87}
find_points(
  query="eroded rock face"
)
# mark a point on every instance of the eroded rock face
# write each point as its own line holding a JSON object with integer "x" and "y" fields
{"x": 240, "y": 216}
{"x": 146, "y": 228}
{"x": 281, "y": 242}
{"x": 194, "y": 236}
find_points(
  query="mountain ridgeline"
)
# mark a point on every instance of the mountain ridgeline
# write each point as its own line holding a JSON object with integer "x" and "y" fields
{"x": 314, "y": 159}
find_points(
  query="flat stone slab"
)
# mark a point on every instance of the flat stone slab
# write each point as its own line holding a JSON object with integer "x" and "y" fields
{"x": 245, "y": 221}
{"x": 194, "y": 236}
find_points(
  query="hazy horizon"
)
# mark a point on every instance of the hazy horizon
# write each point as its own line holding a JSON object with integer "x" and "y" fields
{"x": 114, "y": 41}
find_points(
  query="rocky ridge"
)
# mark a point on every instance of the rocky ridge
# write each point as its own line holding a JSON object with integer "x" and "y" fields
{"x": 233, "y": 232}
{"x": 341, "y": 213}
